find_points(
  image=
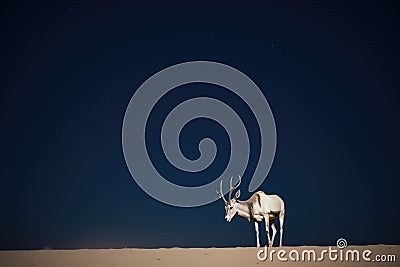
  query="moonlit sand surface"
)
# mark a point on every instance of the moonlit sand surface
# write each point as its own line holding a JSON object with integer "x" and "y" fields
{"x": 176, "y": 257}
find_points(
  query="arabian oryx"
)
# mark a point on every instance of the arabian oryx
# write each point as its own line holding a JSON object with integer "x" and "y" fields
{"x": 258, "y": 207}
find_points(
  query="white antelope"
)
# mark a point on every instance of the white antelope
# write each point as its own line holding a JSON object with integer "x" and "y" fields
{"x": 258, "y": 207}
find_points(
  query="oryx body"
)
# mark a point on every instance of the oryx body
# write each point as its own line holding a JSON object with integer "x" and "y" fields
{"x": 258, "y": 207}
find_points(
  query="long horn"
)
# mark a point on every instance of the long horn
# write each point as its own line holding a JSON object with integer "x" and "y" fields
{"x": 220, "y": 192}
{"x": 232, "y": 188}
{"x": 240, "y": 180}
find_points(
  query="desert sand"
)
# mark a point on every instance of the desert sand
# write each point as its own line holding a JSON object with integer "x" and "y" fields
{"x": 183, "y": 257}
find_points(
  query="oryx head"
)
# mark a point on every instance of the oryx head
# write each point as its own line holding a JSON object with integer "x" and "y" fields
{"x": 230, "y": 205}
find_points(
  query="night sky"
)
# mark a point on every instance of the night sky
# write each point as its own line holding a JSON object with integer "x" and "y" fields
{"x": 330, "y": 73}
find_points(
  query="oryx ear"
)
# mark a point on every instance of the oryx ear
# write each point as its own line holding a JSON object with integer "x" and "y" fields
{"x": 237, "y": 195}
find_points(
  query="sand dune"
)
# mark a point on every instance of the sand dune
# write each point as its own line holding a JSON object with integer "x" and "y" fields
{"x": 188, "y": 257}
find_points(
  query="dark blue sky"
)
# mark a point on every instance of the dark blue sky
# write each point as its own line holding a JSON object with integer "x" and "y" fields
{"x": 68, "y": 70}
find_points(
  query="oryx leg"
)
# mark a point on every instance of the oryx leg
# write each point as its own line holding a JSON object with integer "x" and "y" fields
{"x": 273, "y": 231}
{"x": 266, "y": 219}
{"x": 281, "y": 219}
{"x": 257, "y": 234}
